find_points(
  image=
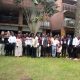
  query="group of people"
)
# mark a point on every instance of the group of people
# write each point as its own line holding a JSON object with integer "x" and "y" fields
{"x": 38, "y": 45}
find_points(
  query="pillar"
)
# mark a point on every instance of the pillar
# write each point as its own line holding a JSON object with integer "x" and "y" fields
{"x": 77, "y": 24}
{"x": 20, "y": 20}
{"x": 63, "y": 31}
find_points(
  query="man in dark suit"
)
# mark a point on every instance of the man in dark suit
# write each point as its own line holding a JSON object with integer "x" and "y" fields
{"x": 44, "y": 45}
{"x": 6, "y": 42}
{"x": 64, "y": 46}
{"x": 69, "y": 46}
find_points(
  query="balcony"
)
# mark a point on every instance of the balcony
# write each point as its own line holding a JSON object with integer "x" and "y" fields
{"x": 72, "y": 2}
{"x": 68, "y": 22}
{"x": 69, "y": 7}
{"x": 45, "y": 25}
{"x": 13, "y": 27}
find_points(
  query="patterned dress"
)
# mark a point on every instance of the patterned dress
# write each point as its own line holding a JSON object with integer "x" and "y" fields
{"x": 18, "y": 48}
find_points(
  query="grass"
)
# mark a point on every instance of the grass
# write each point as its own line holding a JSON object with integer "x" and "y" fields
{"x": 15, "y": 68}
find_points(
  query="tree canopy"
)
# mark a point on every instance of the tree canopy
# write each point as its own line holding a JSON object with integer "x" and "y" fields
{"x": 33, "y": 14}
{"x": 49, "y": 6}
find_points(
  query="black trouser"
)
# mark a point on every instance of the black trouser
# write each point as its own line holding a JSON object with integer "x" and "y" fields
{"x": 49, "y": 50}
{"x": 24, "y": 50}
{"x": 7, "y": 48}
{"x": 44, "y": 51}
{"x": 70, "y": 50}
{"x": 58, "y": 54}
{"x": 75, "y": 52}
{"x": 64, "y": 50}
{"x": 12, "y": 49}
{"x": 33, "y": 52}
{"x": 78, "y": 48}
{"x": 41, "y": 50}
{"x": 28, "y": 50}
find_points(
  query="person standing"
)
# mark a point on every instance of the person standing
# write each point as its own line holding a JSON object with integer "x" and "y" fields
{"x": 75, "y": 44}
{"x": 39, "y": 46}
{"x": 44, "y": 45}
{"x": 64, "y": 46}
{"x": 6, "y": 42}
{"x": 49, "y": 46}
{"x": 28, "y": 45}
{"x": 42, "y": 48}
{"x": 34, "y": 45}
{"x": 2, "y": 43}
{"x": 54, "y": 42}
{"x": 59, "y": 49}
{"x": 18, "y": 48}
{"x": 12, "y": 42}
{"x": 78, "y": 48}
{"x": 23, "y": 45}
{"x": 69, "y": 46}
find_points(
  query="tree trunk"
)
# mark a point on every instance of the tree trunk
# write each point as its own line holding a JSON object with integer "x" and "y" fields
{"x": 77, "y": 25}
{"x": 34, "y": 27}
{"x": 20, "y": 20}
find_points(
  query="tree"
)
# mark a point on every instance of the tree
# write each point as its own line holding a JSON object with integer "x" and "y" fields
{"x": 33, "y": 15}
{"x": 77, "y": 25}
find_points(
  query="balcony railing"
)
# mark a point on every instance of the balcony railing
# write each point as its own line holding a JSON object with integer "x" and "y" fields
{"x": 69, "y": 22}
{"x": 14, "y": 27}
{"x": 69, "y": 7}
{"x": 45, "y": 24}
{"x": 72, "y": 2}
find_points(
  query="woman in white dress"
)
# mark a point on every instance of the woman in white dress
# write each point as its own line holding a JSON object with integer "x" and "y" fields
{"x": 18, "y": 48}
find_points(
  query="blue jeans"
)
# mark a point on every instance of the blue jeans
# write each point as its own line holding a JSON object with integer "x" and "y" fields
{"x": 53, "y": 51}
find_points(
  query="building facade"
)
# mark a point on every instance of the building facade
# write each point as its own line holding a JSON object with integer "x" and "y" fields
{"x": 12, "y": 17}
{"x": 64, "y": 20}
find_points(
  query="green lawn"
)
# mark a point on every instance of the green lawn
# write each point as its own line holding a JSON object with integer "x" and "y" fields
{"x": 17, "y": 68}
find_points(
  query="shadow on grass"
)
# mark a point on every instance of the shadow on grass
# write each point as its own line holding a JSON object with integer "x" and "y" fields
{"x": 26, "y": 78}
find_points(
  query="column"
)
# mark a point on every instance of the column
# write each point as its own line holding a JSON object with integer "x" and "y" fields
{"x": 77, "y": 24}
{"x": 20, "y": 20}
{"x": 63, "y": 31}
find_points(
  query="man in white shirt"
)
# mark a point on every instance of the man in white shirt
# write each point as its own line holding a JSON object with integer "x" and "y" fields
{"x": 12, "y": 43}
{"x": 28, "y": 43}
{"x": 75, "y": 44}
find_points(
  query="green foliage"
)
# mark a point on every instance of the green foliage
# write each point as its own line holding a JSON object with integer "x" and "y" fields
{"x": 49, "y": 6}
{"x": 33, "y": 14}
{"x": 37, "y": 18}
